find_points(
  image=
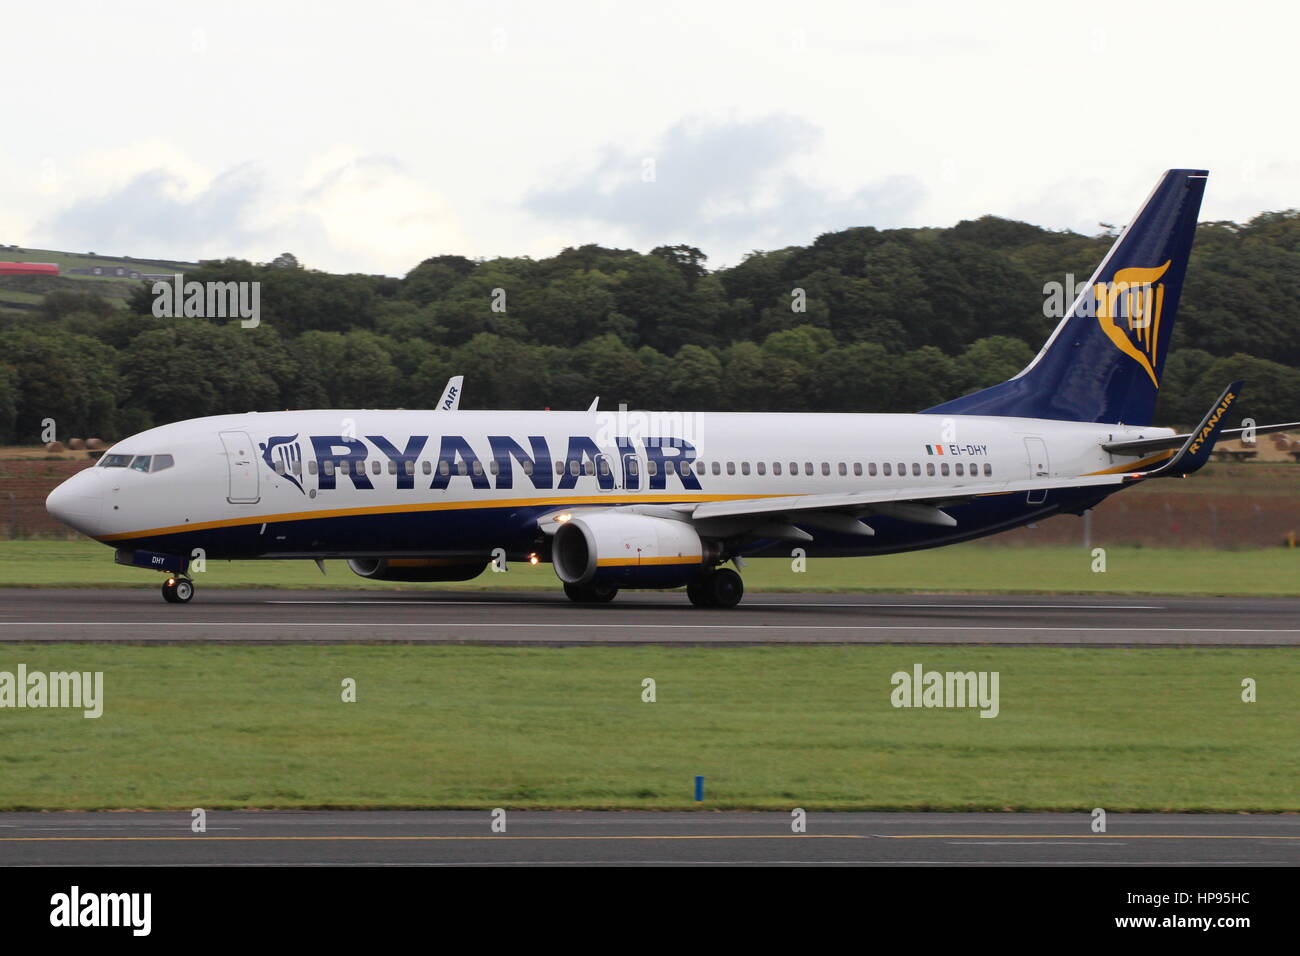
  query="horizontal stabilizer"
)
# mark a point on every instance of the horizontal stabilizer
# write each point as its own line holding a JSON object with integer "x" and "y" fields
{"x": 1143, "y": 446}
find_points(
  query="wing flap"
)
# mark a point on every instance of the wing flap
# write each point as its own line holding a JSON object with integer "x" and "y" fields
{"x": 863, "y": 503}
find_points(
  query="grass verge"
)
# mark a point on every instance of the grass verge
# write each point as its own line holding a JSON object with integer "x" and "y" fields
{"x": 479, "y": 727}
{"x": 972, "y": 568}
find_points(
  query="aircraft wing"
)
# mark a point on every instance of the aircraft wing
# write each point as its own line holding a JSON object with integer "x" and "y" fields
{"x": 845, "y": 512}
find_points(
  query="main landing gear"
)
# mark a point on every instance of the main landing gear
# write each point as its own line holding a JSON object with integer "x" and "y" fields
{"x": 720, "y": 588}
{"x": 177, "y": 589}
{"x": 590, "y": 593}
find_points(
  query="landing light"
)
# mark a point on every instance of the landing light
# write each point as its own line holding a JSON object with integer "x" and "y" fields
{"x": 560, "y": 519}
{"x": 533, "y": 559}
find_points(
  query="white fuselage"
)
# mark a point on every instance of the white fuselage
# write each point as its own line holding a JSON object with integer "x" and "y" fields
{"x": 310, "y": 483}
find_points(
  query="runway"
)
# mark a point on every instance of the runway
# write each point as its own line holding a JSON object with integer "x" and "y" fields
{"x": 548, "y": 618}
{"x": 466, "y": 838}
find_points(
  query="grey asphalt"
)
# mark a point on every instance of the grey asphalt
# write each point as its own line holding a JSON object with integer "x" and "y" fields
{"x": 476, "y": 617}
{"x": 466, "y": 838}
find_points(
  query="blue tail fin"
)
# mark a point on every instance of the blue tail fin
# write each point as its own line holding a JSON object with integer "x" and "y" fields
{"x": 1103, "y": 362}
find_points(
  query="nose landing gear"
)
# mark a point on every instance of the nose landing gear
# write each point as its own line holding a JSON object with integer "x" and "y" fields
{"x": 177, "y": 590}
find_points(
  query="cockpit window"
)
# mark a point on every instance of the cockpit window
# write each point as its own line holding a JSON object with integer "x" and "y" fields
{"x": 114, "y": 461}
{"x": 162, "y": 461}
{"x": 141, "y": 463}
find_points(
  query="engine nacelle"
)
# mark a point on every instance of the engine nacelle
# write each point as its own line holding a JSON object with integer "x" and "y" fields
{"x": 629, "y": 550}
{"x": 416, "y": 569}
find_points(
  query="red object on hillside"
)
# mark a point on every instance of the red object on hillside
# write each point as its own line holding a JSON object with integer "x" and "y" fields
{"x": 28, "y": 269}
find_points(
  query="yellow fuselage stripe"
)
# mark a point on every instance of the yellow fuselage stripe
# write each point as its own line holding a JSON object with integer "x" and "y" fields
{"x": 638, "y": 561}
{"x": 427, "y": 506}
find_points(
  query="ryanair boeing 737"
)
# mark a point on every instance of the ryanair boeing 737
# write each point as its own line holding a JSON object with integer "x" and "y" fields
{"x": 648, "y": 500}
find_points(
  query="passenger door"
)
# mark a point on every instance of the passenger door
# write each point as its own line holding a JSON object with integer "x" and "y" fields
{"x": 1039, "y": 467}
{"x": 241, "y": 461}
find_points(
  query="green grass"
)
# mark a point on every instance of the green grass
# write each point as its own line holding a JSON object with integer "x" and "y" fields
{"x": 73, "y": 260}
{"x": 962, "y": 568}
{"x": 778, "y": 727}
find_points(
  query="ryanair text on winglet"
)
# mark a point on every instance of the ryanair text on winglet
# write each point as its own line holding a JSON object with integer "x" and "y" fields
{"x": 83, "y": 690}
{"x": 949, "y": 689}
{"x": 1208, "y": 430}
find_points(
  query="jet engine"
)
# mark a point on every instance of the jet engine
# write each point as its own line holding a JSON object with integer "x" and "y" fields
{"x": 615, "y": 549}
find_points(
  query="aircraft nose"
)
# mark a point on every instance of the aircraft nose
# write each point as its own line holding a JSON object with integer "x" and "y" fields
{"x": 79, "y": 501}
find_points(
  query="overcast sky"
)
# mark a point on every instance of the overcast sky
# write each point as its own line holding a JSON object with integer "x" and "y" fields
{"x": 368, "y": 136}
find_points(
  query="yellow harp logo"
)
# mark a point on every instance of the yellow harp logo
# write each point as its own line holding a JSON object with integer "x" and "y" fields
{"x": 1134, "y": 297}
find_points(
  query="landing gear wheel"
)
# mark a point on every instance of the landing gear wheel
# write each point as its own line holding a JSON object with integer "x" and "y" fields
{"x": 590, "y": 593}
{"x": 178, "y": 590}
{"x": 698, "y": 592}
{"x": 724, "y": 588}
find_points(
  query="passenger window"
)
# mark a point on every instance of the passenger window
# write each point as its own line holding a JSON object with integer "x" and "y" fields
{"x": 573, "y": 468}
{"x": 376, "y": 467}
{"x": 345, "y": 467}
{"x": 426, "y": 467}
{"x": 408, "y": 468}
{"x": 141, "y": 463}
{"x": 652, "y": 468}
{"x": 329, "y": 466}
{"x": 717, "y": 468}
{"x": 961, "y": 470}
{"x": 776, "y": 468}
{"x": 462, "y": 468}
{"x": 478, "y": 468}
{"x": 633, "y": 466}
{"x": 444, "y": 468}
{"x": 988, "y": 471}
{"x": 943, "y": 469}
{"x": 114, "y": 461}
{"x": 844, "y": 470}
{"x": 670, "y": 468}
{"x": 929, "y": 469}
{"x": 871, "y": 469}
{"x": 826, "y": 468}
{"x": 857, "y": 469}
{"x": 731, "y": 467}
{"x": 762, "y": 467}
{"x": 604, "y": 468}
{"x": 807, "y": 468}
{"x": 794, "y": 468}
{"x": 744, "y": 467}
{"x": 528, "y": 468}
{"x": 888, "y": 471}
{"x": 559, "y": 467}
{"x": 278, "y": 468}
{"x": 916, "y": 469}
{"x": 165, "y": 461}
{"x": 311, "y": 467}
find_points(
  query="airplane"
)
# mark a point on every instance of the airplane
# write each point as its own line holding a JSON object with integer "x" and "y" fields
{"x": 651, "y": 500}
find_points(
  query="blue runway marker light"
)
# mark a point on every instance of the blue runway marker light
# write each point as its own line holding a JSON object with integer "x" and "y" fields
{"x": 699, "y": 789}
